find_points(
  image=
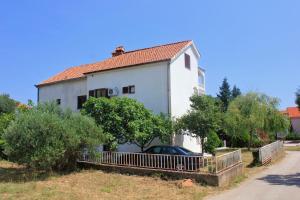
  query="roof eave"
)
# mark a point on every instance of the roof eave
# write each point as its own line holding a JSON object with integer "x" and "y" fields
{"x": 127, "y": 66}
{"x": 55, "y": 82}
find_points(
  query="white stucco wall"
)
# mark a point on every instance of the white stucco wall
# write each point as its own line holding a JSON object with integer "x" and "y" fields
{"x": 67, "y": 91}
{"x": 296, "y": 124}
{"x": 183, "y": 83}
{"x": 150, "y": 84}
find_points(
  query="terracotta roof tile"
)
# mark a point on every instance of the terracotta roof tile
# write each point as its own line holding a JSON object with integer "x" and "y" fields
{"x": 292, "y": 112}
{"x": 129, "y": 58}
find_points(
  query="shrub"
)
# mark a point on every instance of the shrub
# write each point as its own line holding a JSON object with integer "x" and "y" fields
{"x": 213, "y": 141}
{"x": 45, "y": 137}
{"x": 293, "y": 136}
{"x": 7, "y": 105}
{"x": 2, "y": 155}
{"x": 5, "y": 120}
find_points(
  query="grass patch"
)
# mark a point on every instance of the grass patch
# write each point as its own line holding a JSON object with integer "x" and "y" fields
{"x": 17, "y": 182}
{"x": 292, "y": 148}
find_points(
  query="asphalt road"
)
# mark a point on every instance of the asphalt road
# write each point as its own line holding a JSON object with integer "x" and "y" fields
{"x": 279, "y": 182}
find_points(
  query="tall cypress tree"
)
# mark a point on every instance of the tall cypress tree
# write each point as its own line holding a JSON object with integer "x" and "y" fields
{"x": 235, "y": 92}
{"x": 298, "y": 98}
{"x": 224, "y": 94}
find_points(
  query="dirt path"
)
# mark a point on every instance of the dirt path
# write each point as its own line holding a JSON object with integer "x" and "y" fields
{"x": 278, "y": 182}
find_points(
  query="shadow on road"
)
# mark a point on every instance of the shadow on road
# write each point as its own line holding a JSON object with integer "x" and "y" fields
{"x": 288, "y": 180}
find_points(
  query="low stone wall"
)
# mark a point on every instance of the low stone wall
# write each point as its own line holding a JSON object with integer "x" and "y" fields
{"x": 270, "y": 152}
{"x": 220, "y": 179}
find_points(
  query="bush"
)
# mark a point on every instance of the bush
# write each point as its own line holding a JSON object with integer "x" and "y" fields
{"x": 213, "y": 141}
{"x": 2, "y": 155}
{"x": 293, "y": 136}
{"x": 45, "y": 137}
{"x": 7, "y": 105}
{"x": 5, "y": 120}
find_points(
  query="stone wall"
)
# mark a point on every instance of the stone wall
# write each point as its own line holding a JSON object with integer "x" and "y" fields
{"x": 220, "y": 179}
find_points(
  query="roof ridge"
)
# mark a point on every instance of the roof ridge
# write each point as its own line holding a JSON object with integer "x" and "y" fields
{"x": 161, "y": 45}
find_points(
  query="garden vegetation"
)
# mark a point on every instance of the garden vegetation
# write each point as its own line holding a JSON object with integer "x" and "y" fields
{"x": 47, "y": 137}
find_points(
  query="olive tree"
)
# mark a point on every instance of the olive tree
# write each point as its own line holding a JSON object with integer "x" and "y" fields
{"x": 46, "y": 137}
{"x": 127, "y": 120}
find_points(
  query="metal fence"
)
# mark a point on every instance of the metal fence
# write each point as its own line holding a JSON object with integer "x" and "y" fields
{"x": 154, "y": 161}
{"x": 267, "y": 152}
{"x": 167, "y": 162}
{"x": 228, "y": 160}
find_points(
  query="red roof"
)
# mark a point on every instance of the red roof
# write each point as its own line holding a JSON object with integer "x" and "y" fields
{"x": 129, "y": 58}
{"x": 292, "y": 112}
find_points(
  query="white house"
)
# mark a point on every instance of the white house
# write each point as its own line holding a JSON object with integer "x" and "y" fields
{"x": 162, "y": 77}
{"x": 293, "y": 113}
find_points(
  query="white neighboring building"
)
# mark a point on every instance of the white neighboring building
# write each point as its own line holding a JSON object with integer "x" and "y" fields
{"x": 162, "y": 77}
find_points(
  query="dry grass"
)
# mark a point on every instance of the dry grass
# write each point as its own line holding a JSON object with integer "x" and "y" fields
{"x": 17, "y": 182}
{"x": 292, "y": 148}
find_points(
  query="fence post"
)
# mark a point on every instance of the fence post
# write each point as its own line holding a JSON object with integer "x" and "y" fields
{"x": 216, "y": 163}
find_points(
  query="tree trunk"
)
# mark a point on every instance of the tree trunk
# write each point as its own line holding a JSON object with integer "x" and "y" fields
{"x": 250, "y": 140}
{"x": 202, "y": 145}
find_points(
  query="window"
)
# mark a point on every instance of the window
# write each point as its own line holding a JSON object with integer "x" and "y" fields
{"x": 103, "y": 92}
{"x": 169, "y": 150}
{"x": 129, "y": 89}
{"x": 125, "y": 90}
{"x": 80, "y": 101}
{"x": 58, "y": 101}
{"x": 187, "y": 61}
{"x": 200, "y": 79}
{"x": 92, "y": 93}
{"x": 132, "y": 89}
{"x": 154, "y": 150}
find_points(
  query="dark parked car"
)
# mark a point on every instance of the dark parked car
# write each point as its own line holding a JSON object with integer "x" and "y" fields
{"x": 171, "y": 150}
{"x": 173, "y": 157}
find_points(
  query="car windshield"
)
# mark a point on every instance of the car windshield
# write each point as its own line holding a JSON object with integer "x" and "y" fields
{"x": 185, "y": 151}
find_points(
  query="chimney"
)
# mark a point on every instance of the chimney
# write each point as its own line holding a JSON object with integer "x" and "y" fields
{"x": 118, "y": 51}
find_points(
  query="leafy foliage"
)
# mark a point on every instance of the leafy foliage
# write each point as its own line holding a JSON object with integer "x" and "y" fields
{"x": 203, "y": 118}
{"x": 126, "y": 120}
{"x": 7, "y": 105}
{"x": 5, "y": 120}
{"x": 46, "y": 137}
{"x": 252, "y": 112}
{"x": 212, "y": 142}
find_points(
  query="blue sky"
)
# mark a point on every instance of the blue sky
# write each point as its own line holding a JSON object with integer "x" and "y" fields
{"x": 255, "y": 44}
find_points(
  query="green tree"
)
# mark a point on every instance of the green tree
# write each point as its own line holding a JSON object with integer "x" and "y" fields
{"x": 126, "y": 120}
{"x": 46, "y": 137}
{"x": 298, "y": 98}
{"x": 224, "y": 94}
{"x": 144, "y": 131}
{"x": 235, "y": 92}
{"x": 7, "y": 105}
{"x": 203, "y": 118}
{"x": 213, "y": 141}
{"x": 252, "y": 112}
